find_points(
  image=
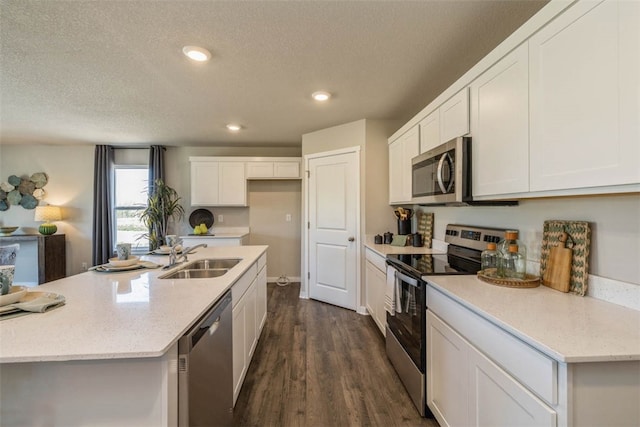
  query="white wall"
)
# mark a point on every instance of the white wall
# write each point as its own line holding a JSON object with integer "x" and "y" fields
{"x": 615, "y": 227}
{"x": 267, "y": 201}
{"x": 269, "y": 204}
{"x": 70, "y": 171}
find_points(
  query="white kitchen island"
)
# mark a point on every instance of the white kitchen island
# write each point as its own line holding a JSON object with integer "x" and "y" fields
{"x": 109, "y": 356}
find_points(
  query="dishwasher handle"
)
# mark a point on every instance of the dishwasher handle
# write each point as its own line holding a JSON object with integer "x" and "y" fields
{"x": 209, "y": 323}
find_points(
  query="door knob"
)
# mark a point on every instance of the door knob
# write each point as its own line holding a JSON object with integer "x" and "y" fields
{"x": 351, "y": 239}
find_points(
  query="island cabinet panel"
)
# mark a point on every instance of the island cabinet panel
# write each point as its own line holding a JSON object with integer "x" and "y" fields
{"x": 249, "y": 315}
{"x": 584, "y": 86}
{"x": 111, "y": 392}
{"x": 500, "y": 126}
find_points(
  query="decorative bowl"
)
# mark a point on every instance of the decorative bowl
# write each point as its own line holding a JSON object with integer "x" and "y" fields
{"x": 115, "y": 262}
{"x": 6, "y": 231}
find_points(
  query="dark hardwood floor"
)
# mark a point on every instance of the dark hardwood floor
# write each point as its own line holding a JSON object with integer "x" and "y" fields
{"x": 320, "y": 365}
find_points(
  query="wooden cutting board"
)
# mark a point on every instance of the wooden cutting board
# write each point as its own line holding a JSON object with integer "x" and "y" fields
{"x": 558, "y": 272}
{"x": 580, "y": 233}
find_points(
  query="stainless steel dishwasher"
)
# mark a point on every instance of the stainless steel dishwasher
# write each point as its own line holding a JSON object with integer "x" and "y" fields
{"x": 205, "y": 371}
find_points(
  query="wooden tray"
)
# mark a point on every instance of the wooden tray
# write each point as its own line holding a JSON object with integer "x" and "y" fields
{"x": 489, "y": 275}
{"x": 580, "y": 233}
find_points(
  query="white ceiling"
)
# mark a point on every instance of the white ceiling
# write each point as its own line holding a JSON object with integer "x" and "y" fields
{"x": 113, "y": 72}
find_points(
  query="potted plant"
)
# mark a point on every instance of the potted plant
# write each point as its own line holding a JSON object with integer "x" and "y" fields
{"x": 162, "y": 205}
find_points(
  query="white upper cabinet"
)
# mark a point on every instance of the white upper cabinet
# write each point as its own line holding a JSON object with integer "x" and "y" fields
{"x": 585, "y": 96}
{"x": 274, "y": 169}
{"x": 401, "y": 152}
{"x": 500, "y": 126}
{"x": 430, "y": 131}
{"x": 216, "y": 182}
{"x": 454, "y": 116}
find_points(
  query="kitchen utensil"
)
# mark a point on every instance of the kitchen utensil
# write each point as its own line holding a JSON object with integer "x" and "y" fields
{"x": 580, "y": 234}
{"x": 388, "y": 238}
{"x": 558, "y": 272}
{"x": 201, "y": 216}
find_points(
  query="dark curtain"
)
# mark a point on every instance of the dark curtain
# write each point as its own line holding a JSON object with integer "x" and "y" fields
{"x": 156, "y": 165}
{"x": 103, "y": 221}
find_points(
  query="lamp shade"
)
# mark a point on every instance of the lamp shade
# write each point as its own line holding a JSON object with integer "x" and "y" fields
{"x": 48, "y": 213}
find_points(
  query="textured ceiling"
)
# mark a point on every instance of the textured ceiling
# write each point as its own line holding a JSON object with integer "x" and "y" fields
{"x": 113, "y": 72}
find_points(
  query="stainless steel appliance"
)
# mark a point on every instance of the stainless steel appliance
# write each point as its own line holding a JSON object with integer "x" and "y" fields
{"x": 406, "y": 328}
{"x": 205, "y": 374}
{"x": 442, "y": 176}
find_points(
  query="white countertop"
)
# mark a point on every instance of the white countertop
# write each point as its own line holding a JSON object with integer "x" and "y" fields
{"x": 216, "y": 236}
{"x": 385, "y": 250}
{"x": 119, "y": 315}
{"x": 567, "y": 327}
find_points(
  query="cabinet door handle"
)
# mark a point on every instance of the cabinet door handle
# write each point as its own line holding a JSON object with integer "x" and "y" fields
{"x": 351, "y": 239}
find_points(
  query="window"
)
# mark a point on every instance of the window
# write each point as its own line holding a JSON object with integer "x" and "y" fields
{"x": 130, "y": 184}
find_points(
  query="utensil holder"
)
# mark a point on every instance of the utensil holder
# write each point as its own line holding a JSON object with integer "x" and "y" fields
{"x": 404, "y": 226}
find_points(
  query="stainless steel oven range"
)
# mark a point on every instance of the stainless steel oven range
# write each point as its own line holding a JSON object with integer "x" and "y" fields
{"x": 406, "y": 327}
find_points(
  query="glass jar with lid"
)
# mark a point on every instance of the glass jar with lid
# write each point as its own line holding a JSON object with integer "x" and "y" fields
{"x": 489, "y": 257}
{"x": 511, "y": 251}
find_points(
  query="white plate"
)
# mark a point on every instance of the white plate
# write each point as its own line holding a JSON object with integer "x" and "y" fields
{"x": 14, "y": 295}
{"x": 115, "y": 262}
{"x": 167, "y": 252}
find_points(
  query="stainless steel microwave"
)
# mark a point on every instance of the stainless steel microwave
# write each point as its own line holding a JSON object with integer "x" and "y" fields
{"x": 443, "y": 175}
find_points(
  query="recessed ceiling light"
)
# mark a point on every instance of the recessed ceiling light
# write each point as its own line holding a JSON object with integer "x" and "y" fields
{"x": 321, "y": 96}
{"x": 234, "y": 127}
{"x": 196, "y": 53}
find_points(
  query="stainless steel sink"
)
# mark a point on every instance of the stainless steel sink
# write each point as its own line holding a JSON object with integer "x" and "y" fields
{"x": 196, "y": 274}
{"x": 206, "y": 264}
{"x": 203, "y": 269}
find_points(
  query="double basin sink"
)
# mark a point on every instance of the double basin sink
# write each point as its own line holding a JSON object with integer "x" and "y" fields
{"x": 203, "y": 269}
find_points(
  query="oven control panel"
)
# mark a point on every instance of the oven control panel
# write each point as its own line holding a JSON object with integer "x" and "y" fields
{"x": 472, "y": 237}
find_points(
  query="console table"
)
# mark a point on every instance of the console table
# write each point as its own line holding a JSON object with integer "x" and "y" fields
{"x": 44, "y": 254}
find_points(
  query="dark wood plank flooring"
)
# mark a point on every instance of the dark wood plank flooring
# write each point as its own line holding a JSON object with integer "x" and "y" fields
{"x": 321, "y": 365}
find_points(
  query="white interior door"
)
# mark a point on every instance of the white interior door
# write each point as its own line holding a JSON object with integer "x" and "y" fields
{"x": 333, "y": 195}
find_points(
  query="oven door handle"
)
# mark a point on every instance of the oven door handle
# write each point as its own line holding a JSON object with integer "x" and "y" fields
{"x": 409, "y": 280}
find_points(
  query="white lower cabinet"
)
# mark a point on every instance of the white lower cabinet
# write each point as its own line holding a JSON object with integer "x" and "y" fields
{"x": 496, "y": 398}
{"x": 465, "y": 388}
{"x": 249, "y": 313}
{"x": 376, "y": 281}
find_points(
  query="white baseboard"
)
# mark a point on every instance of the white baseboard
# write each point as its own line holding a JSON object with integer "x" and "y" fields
{"x": 275, "y": 279}
{"x": 362, "y": 310}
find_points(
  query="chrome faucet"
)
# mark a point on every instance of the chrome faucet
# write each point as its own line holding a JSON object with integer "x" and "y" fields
{"x": 187, "y": 251}
{"x": 173, "y": 257}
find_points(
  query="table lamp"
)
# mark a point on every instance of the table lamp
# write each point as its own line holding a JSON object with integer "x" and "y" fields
{"x": 47, "y": 214}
